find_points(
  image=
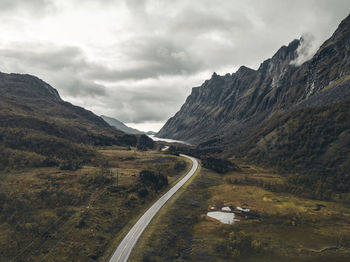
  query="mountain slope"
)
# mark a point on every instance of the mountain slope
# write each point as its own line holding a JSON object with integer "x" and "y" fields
{"x": 36, "y": 122}
{"x": 293, "y": 118}
{"x": 229, "y": 107}
{"x": 313, "y": 142}
{"x": 120, "y": 125}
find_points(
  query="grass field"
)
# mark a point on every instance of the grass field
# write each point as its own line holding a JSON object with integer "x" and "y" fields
{"x": 160, "y": 222}
{"x": 48, "y": 214}
{"x": 279, "y": 227}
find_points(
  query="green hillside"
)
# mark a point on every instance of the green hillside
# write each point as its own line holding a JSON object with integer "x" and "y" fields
{"x": 312, "y": 143}
{"x": 38, "y": 128}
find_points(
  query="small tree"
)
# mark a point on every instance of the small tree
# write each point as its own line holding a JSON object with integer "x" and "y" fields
{"x": 145, "y": 143}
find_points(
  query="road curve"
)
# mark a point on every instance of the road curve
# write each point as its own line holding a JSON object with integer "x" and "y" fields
{"x": 122, "y": 253}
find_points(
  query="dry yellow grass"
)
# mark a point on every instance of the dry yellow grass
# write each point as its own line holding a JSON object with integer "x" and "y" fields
{"x": 287, "y": 223}
{"x": 91, "y": 219}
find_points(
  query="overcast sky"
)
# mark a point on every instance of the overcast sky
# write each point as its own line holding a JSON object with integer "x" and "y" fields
{"x": 137, "y": 60}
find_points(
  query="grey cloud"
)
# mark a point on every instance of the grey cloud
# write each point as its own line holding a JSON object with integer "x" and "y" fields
{"x": 32, "y": 7}
{"x": 76, "y": 87}
{"x": 164, "y": 44}
{"x": 63, "y": 67}
{"x": 48, "y": 57}
{"x": 214, "y": 19}
{"x": 138, "y": 105}
{"x": 137, "y": 6}
{"x": 154, "y": 57}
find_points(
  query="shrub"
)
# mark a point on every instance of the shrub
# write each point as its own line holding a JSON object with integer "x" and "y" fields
{"x": 239, "y": 243}
{"x": 219, "y": 165}
{"x": 145, "y": 143}
{"x": 143, "y": 192}
{"x": 156, "y": 182}
{"x": 70, "y": 165}
{"x": 128, "y": 139}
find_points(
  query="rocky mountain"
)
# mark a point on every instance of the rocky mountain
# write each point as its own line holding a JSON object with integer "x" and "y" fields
{"x": 120, "y": 125}
{"x": 287, "y": 115}
{"x": 38, "y": 128}
{"x": 227, "y": 109}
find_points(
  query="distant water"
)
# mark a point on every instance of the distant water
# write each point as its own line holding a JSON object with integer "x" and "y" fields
{"x": 168, "y": 140}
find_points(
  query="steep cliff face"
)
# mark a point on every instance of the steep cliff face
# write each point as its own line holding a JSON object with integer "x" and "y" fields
{"x": 331, "y": 62}
{"x": 231, "y": 106}
{"x": 230, "y": 103}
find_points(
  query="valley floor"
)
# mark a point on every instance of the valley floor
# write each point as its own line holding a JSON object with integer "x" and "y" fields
{"x": 48, "y": 214}
{"x": 278, "y": 227}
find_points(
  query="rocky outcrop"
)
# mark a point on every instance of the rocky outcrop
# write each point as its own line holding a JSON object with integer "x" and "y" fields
{"x": 230, "y": 106}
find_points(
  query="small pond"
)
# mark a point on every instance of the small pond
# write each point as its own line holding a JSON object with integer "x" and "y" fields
{"x": 223, "y": 217}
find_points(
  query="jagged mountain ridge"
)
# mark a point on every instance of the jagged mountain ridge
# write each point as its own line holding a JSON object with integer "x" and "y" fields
{"x": 231, "y": 106}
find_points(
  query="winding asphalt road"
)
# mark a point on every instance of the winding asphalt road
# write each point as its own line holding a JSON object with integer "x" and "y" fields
{"x": 122, "y": 253}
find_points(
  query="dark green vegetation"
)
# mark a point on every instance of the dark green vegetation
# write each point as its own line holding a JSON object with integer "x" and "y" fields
{"x": 145, "y": 143}
{"x": 219, "y": 165}
{"x": 312, "y": 143}
{"x": 49, "y": 214}
{"x": 279, "y": 227}
{"x": 38, "y": 128}
{"x": 309, "y": 146}
{"x": 150, "y": 179}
